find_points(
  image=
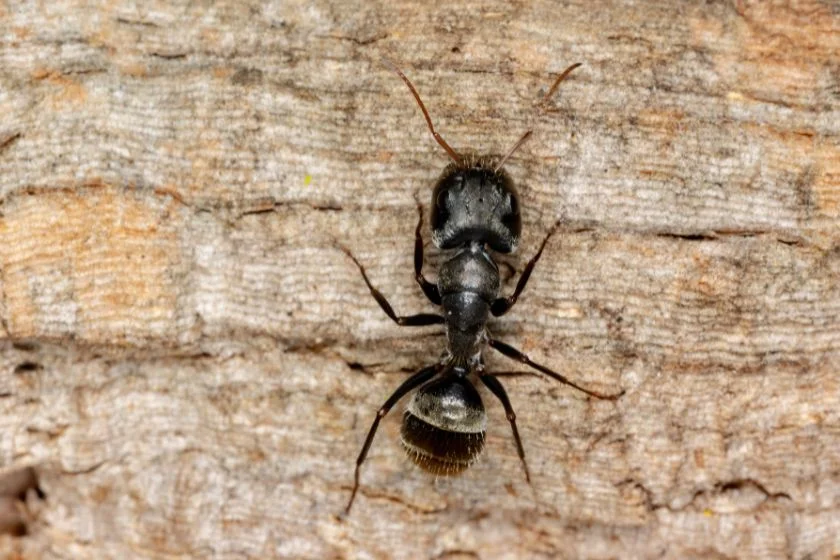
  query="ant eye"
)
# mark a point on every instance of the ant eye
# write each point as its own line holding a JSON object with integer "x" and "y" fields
{"x": 441, "y": 199}
{"x": 514, "y": 204}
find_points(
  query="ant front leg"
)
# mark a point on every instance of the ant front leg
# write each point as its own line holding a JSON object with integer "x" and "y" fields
{"x": 430, "y": 289}
{"x": 501, "y": 306}
{"x": 419, "y": 320}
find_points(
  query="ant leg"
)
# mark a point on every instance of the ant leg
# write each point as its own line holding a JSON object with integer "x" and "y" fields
{"x": 419, "y": 320}
{"x": 498, "y": 389}
{"x": 515, "y": 354}
{"x": 500, "y": 306}
{"x": 429, "y": 288}
{"x": 409, "y": 384}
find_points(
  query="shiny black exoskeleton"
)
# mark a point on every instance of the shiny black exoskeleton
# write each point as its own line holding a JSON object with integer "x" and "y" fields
{"x": 475, "y": 210}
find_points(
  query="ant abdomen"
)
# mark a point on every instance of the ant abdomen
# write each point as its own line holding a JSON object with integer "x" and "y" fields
{"x": 444, "y": 425}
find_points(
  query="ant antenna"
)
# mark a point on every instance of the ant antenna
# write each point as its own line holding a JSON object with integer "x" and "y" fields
{"x": 456, "y": 157}
{"x": 515, "y": 147}
{"x": 559, "y": 79}
{"x": 544, "y": 100}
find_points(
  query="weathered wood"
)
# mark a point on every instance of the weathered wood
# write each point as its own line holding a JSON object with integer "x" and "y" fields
{"x": 191, "y": 365}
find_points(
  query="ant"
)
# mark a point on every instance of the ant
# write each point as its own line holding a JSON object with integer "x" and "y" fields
{"x": 474, "y": 208}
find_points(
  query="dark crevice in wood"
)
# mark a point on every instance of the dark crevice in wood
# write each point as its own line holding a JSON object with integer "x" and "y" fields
{"x": 717, "y": 235}
{"x": 168, "y": 56}
{"x": 9, "y": 140}
{"x": 361, "y": 42}
{"x": 127, "y": 21}
{"x": 14, "y": 487}
{"x": 717, "y": 489}
{"x": 27, "y": 366}
{"x": 742, "y": 483}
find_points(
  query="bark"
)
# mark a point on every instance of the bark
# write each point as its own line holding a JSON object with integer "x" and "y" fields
{"x": 190, "y": 363}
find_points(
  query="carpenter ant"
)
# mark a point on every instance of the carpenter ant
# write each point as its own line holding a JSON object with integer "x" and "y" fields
{"x": 474, "y": 208}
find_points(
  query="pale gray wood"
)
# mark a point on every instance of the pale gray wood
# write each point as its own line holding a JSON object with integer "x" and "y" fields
{"x": 191, "y": 365}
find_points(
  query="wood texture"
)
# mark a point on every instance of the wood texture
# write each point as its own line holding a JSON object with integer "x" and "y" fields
{"x": 190, "y": 364}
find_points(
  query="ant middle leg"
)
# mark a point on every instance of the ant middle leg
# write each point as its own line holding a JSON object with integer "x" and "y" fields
{"x": 502, "y": 305}
{"x": 408, "y": 385}
{"x": 418, "y": 320}
{"x": 515, "y": 354}
{"x": 498, "y": 389}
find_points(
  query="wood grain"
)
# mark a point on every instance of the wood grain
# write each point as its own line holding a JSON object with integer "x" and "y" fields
{"x": 190, "y": 364}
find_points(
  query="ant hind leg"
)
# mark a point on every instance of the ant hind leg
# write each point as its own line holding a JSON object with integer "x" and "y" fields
{"x": 498, "y": 389}
{"x": 408, "y": 385}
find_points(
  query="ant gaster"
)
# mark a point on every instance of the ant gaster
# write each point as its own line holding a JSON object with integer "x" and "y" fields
{"x": 474, "y": 208}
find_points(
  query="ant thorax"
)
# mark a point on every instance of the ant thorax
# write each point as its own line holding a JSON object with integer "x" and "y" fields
{"x": 468, "y": 284}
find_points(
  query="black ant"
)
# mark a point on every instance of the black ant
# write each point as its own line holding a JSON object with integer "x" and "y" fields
{"x": 474, "y": 207}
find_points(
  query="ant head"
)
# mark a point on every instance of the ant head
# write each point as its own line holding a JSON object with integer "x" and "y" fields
{"x": 475, "y": 201}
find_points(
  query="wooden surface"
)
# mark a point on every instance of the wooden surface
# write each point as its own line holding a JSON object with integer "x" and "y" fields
{"x": 190, "y": 364}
